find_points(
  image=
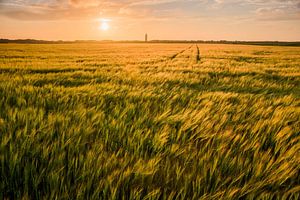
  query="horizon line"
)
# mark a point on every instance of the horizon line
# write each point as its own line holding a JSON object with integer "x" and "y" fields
{"x": 149, "y": 41}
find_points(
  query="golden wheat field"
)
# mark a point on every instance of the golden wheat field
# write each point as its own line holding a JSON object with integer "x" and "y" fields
{"x": 149, "y": 121}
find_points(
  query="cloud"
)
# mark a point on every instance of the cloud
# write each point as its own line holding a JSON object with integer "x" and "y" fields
{"x": 278, "y": 14}
{"x": 273, "y": 10}
{"x": 52, "y": 10}
{"x": 279, "y": 10}
{"x": 84, "y": 9}
{"x": 92, "y": 9}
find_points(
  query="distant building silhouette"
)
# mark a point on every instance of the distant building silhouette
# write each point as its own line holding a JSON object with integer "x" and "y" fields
{"x": 146, "y": 37}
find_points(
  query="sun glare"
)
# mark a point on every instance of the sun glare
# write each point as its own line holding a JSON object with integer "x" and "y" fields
{"x": 104, "y": 25}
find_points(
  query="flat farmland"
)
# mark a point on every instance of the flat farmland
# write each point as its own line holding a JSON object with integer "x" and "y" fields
{"x": 149, "y": 121}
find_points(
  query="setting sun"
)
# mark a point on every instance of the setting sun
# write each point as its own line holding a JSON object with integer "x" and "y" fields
{"x": 104, "y": 25}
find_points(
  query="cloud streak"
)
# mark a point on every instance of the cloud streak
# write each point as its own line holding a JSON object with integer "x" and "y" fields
{"x": 88, "y": 9}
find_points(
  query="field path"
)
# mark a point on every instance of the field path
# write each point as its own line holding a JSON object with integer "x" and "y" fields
{"x": 185, "y": 58}
{"x": 181, "y": 52}
{"x": 188, "y": 57}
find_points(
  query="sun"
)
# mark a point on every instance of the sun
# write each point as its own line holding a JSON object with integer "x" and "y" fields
{"x": 104, "y": 25}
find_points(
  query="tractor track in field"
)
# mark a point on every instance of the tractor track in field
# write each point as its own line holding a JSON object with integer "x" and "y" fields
{"x": 192, "y": 57}
{"x": 180, "y": 52}
{"x": 172, "y": 57}
{"x": 194, "y": 54}
{"x": 198, "y": 57}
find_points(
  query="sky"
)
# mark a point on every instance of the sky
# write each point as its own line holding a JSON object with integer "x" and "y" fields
{"x": 162, "y": 19}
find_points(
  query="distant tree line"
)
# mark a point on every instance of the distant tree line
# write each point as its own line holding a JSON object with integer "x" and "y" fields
{"x": 266, "y": 43}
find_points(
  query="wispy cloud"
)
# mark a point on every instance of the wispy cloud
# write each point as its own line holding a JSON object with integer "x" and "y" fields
{"x": 89, "y": 9}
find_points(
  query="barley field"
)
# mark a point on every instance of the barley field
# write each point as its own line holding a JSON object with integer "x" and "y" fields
{"x": 149, "y": 121}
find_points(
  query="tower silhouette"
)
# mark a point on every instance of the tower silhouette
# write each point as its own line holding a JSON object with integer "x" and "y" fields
{"x": 146, "y": 37}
